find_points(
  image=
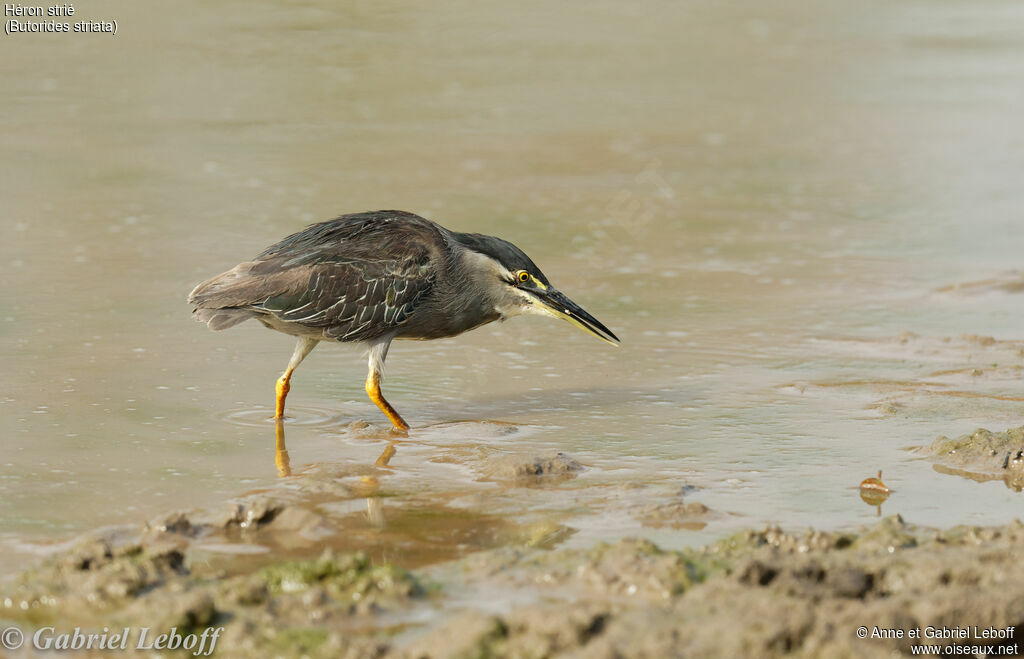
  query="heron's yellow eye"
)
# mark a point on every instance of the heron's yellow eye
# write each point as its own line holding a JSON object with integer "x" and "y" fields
{"x": 523, "y": 276}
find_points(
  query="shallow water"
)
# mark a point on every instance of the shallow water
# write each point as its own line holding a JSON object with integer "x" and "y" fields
{"x": 761, "y": 200}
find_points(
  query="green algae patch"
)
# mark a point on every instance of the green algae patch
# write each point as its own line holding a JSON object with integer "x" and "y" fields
{"x": 294, "y": 576}
{"x": 343, "y": 576}
{"x": 300, "y": 641}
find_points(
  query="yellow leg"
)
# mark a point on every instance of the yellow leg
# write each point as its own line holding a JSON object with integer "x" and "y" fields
{"x": 302, "y": 348}
{"x": 282, "y": 388}
{"x": 373, "y": 391}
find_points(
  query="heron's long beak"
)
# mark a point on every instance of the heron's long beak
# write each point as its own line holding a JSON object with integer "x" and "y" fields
{"x": 558, "y": 305}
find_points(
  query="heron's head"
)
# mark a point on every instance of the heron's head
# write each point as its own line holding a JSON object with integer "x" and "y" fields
{"x": 517, "y": 285}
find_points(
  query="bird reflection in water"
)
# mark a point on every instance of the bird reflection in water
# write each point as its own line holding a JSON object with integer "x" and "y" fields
{"x": 374, "y": 503}
{"x": 281, "y": 459}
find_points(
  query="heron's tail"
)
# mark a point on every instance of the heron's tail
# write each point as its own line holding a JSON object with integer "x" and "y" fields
{"x": 222, "y": 319}
{"x": 223, "y": 301}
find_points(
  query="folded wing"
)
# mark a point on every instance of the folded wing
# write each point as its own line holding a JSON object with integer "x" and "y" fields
{"x": 351, "y": 279}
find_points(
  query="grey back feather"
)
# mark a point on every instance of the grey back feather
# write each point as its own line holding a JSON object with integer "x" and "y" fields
{"x": 354, "y": 278}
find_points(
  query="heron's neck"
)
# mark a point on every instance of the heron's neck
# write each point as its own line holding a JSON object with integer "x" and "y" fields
{"x": 478, "y": 280}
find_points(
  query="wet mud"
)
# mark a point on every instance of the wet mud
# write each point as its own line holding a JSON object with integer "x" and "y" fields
{"x": 935, "y": 373}
{"x": 757, "y": 593}
{"x": 982, "y": 455}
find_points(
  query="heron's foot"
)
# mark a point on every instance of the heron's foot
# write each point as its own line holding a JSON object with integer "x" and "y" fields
{"x": 373, "y": 391}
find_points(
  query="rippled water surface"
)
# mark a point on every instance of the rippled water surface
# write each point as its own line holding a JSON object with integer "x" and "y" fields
{"x": 801, "y": 220}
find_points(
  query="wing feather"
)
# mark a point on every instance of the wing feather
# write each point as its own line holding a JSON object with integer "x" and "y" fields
{"x": 354, "y": 278}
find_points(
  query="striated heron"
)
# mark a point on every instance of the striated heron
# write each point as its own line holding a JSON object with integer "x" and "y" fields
{"x": 377, "y": 276}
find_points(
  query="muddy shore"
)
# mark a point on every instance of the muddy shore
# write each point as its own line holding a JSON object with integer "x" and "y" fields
{"x": 259, "y": 570}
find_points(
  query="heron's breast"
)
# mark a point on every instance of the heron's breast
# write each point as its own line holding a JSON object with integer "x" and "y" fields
{"x": 430, "y": 322}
